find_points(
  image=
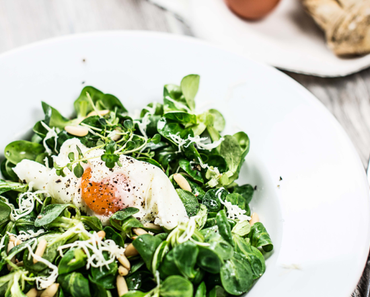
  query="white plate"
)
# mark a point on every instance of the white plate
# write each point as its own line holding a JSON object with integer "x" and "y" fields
{"x": 288, "y": 38}
{"x": 318, "y": 215}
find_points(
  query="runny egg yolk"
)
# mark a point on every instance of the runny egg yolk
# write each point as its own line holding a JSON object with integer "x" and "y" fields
{"x": 107, "y": 196}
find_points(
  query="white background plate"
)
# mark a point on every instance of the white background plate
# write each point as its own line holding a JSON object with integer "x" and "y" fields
{"x": 318, "y": 217}
{"x": 288, "y": 38}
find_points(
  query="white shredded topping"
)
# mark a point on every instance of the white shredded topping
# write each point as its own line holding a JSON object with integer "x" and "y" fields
{"x": 200, "y": 142}
{"x": 26, "y": 203}
{"x": 46, "y": 161}
{"x": 51, "y": 133}
{"x": 23, "y": 235}
{"x": 145, "y": 121}
{"x": 189, "y": 231}
{"x": 204, "y": 143}
{"x": 233, "y": 211}
{"x": 178, "y": 140}
{"x": 42, "y": 282}
{"x": 2, "y": 243}
{"x": 151, "y": 110}
{"x": 94, "y": 249}
{"x": 184, "y": 232}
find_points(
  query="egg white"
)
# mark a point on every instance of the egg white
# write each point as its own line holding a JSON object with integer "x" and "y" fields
{"x": 145, "y": 187}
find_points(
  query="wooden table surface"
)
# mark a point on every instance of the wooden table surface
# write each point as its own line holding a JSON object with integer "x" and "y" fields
{"x": 26, "y": 21}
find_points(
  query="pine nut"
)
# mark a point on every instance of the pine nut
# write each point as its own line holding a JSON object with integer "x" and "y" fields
{"x": 139, "y": 231}
{"x": 100, "y": 112}
{"x": 32, "y": 293}
{"x": 254, "y": 219}
{"x": 50, "y": 291}
{"x": 130, "y": 251}
{"x": 40, "y": 249}
{"x": 79, "y": 131}
{"x": 15, "y": 240}
{"x": 121, "y": 286}
{"x": 124, "y": 261}
{"x": 182, "y": 182}
{"x": 152, "y": 226}
{"x": 101, "y": 234}
{"x": 122, "y": 271}
{"x": 116, "y": 137}
{"x": 10, "y": 246}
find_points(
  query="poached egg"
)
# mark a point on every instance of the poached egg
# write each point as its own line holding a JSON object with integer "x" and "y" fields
{"x": 102, "y": 191}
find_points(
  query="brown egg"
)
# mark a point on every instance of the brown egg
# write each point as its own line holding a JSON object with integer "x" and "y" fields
{"x": 252, "y": 9}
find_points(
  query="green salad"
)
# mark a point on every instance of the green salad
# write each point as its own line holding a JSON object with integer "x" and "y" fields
{"x": 108, "y": 203}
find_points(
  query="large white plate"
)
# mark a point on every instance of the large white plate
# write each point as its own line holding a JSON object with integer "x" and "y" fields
{"x": 318, "y": 215}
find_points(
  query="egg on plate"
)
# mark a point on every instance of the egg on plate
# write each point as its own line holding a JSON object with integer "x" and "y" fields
{"x": 102, "y": 191}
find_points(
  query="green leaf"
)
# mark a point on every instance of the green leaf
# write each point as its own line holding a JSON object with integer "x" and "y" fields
{"x": 253, "y": 255}
{"x": 234, "y": 150}
{"x": 167, "y": 129}
{"x": 72, "y": 260}
{"x": 243, "y": 140}
{"x": 53, "y": 118}
{"x": 217, "y": 291}
{"x": 92, "y": 222}
{"x": 194, "y": 174}
{"x": 135, "y": 294}
{"x": 105, "y": 276}
{"x": 102, "y": 101}
{"x": 151, "y": 161}
{"x": 181, "y": 116}
{"x": 78, "y": 170}
{"x": 242, "y": 228}
{"x": 75, "y": 284}
{"x": 54, "y": 241}
{"x": 6, "y": 186}
{"x": 110, "y": 159}
{"x": 224, "y": 226}
{"x": 156, "y": 138}
{"x": 201, "y": 216}
{"x": 7, "y": 170}
{"x": 140, "y": 280}
{"x": 110, "y": 233}
{"x": 71, "y": 156}
{"x": 230, "y": 150}
{"x": 236, "y": 275}
{"x": 146, "y": 245}
{"x": 50, "y": 213}
{"x": 176, "y": 286}
{"x": 190, "y": 202}
{"x": 128, "y": 224}
{"x": 209, "y": 260}
{"x": 246, "y": 191}
{"x": 211, "y": 199}
{"x": 260, "y": 238}
{"x": 5, "y": 211}
{"x": 218, "y": 121}
{"x": 159, "y": 254}
{"x": 168, "y": 266}
{"x": 240, "y": 201}
{"x": 189, "y": 87}
{"x": 185, "y": 256}
{"x": 19, "y": 150}
{"x": 201, "y": 291}
{"x": 124, "y": 214}
{"x": 129, "y": 125}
